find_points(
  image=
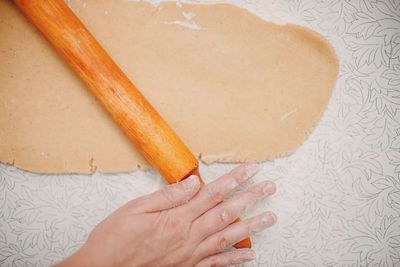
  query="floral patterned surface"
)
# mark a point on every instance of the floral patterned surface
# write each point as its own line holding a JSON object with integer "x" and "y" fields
{"x": 338, "y": 198}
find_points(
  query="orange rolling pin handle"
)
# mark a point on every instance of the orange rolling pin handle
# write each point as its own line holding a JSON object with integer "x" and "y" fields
{"x": 116, "y": 93}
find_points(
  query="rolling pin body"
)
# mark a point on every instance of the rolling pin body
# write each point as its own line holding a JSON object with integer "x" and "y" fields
{"x": 117, "y": 94}
{"x": 134, "y": 114}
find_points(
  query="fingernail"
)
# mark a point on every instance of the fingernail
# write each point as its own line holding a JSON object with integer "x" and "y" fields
{"x": 269, "y": 219}
{"x": 248, "y": 255}
{"x": 251, "y": 169}
{"x": 269, "y": 189}
{"x": 190, "y": 183}
{"x": 266, "y": 221}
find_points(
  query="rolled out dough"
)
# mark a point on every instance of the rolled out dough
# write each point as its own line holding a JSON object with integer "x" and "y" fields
{"x": 234, "y": 87}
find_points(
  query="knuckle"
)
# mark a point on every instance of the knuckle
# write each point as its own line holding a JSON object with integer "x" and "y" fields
{"x": 213, "y": 193}
{"x": 222, "y": 243}
{"x": 247, "y": 228}
{"x": 225, "y": 217}
{"x": 238, "y": 175}
{"x": 252, "y": 198}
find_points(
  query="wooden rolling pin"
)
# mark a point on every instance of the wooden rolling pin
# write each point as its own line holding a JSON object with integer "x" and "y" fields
{"x": 133, "y": 113}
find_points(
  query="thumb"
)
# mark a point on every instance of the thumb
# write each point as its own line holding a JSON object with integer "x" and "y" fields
{"x": 169, "y": 197}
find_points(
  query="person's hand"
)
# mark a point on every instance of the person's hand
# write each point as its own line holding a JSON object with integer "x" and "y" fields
{"x": 180, "y": 225}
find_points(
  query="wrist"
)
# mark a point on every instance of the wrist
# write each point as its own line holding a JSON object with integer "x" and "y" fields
{"x": 78, "y": 259}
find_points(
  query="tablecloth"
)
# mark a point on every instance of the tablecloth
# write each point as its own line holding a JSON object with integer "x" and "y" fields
{"x": 338, "y": 198}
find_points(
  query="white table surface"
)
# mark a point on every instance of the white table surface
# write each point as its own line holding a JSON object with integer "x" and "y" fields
{"x": 338, "y": 198}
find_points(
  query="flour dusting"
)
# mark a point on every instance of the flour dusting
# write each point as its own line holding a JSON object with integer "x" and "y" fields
{"x": 187, "y": 24}
{"x": 188, "y": 15}
{"x": 284, "y": 116}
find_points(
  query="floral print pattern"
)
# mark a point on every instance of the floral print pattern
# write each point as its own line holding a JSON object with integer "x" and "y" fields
{"x": 338, "y": 198}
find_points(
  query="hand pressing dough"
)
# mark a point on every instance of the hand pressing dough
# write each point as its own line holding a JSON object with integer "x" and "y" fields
{"x": 234, "y": 87}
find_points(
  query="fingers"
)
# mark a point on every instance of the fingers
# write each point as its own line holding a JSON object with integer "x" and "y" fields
{"x": 213, "y": 193}
{"x": 169, "y": 197}
{"x": 228, "y": 258}
{"x": 225, "y": 213}
{"x": 234, "y": 233}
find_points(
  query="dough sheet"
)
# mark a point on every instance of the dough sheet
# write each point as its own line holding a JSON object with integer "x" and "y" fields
{"x": 234, "y": 87}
